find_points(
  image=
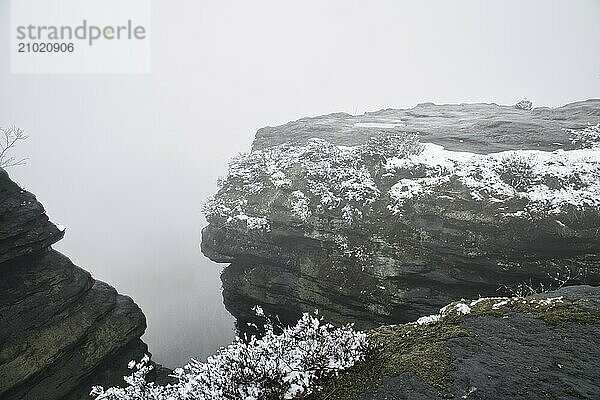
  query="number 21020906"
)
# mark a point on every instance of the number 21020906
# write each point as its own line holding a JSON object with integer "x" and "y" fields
{"x": 46, "y": 47}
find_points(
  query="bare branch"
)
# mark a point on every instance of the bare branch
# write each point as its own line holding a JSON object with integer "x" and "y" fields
{"x": 9, "y": 138}
{"x": 564, "y": 278}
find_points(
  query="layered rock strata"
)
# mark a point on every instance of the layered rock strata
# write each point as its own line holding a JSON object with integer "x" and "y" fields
{"x": 387, "y": 216}
{"x": 61, "y": 331}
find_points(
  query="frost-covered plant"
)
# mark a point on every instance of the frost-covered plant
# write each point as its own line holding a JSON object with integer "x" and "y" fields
{"x": 299, "y": 205}
{"x": 318, "y": 181}
{"x": 387, "y": 145}
{"x": 277, "y": 366}
{"x": 466, "y": 307}
{"x": 588, "y": 137}
{"x": 542, "y": 182}
{"x": 350, "y": 214}
{"x": 524, "y": 105}
{"x": 232, "y": 210}
{"x": 256, "y": 223}
{"x": 517, "y": 171}
{"x": 336, "y": 177}
{"x": 327, "y": 178}
{"x": 528, "y": 288}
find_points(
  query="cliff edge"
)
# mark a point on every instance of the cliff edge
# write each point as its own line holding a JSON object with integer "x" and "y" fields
{"x": 61, "y": 331}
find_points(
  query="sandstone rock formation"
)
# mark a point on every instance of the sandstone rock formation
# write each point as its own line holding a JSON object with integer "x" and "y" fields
{"x": 387, "y": 216}
{"x": 61, "y": 331}
{"x": 545, "y": 346}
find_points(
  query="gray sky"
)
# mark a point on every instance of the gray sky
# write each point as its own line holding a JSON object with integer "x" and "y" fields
{"x": 125, "y": 161}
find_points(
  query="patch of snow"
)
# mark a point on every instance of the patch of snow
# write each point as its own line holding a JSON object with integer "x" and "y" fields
{"x": 279, "y": 180}
{"x": 410, "y": 188}
{"x": 479, "y": 300}
{"x": 551, "y": 301}
{"x": 463, "y": 309}
{"x": 499, "y": 304}
{"x": 258, "y": 311}
{"x": 548, "y": 180}
{"x": 348, "y": 148}
{"x": 258, "y": 224}
{"x": 382, "y": 125}
{"x": 428, "y": 319}
{"x": 472, "y": 390}
{"x": 253, "y": 223}
{"x": 460, "y": 308}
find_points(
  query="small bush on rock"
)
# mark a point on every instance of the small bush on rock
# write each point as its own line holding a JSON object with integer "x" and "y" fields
{"x": 388, "y": 145}
{"x": 524, "y": 105}
{"x": 587, "y": 138}
{"x": 284, "y": 366}
{"x": 517, "y": 171}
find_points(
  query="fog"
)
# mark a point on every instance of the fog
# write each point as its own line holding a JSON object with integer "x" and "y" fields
{"x": 126, "y": 161}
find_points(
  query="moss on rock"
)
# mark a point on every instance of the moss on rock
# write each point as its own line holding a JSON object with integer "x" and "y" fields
{"x": 551, "y": 310}
{"x": 398, "y": 349}
{"x": 422, "y": 350}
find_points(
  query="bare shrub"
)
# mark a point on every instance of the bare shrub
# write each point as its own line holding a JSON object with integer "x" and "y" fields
{"x": 524, "y": 105}
{"x": 9, "y": 138}
{"x": 517, "y": 171}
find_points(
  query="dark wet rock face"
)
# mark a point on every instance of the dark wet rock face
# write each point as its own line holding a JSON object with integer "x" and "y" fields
{"x": 61, "y": 331}
{"x": 540, "y": 347}
{"x": 387, "y": 216}
{"x": 25, "y": 228}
